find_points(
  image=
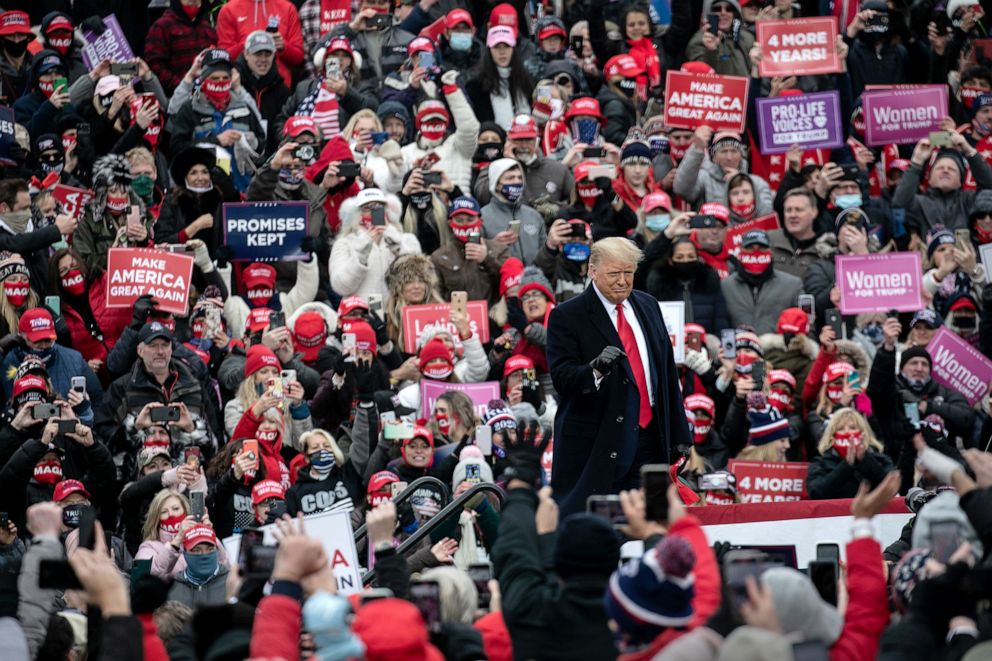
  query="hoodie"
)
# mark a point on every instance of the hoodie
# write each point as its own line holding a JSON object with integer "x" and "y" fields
{"x": 698, "y": 180}
{"x": 496, "y": 217}
{"x": 34, "y": 110}
{"x": 239, "y": 18}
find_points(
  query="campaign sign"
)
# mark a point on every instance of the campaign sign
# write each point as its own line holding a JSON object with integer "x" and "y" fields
{"x": 798, "y": 47}
{"x": 6, "y": 135}
{"x": 332, "y": 13}
{"x": 903, "y": 116}
{"x": 111, "y": 45}
{"x": 769, "y": 481}
{"x": 418, "y": 317}
{"x": 333, "y": 529}
{"x": 673, "y": 312}
{"x": 479, "y": 393}
{"x": 73, "y": 200}
{"x": 692, "y": 100}
{"x": 810, "y": 120}
{"x": 735, "y": 233}
{"x": 266, "y": 231}
{"x": 959, "y": 366}
{"x": 879, "y": 283}
{"x": 134, "y": 272}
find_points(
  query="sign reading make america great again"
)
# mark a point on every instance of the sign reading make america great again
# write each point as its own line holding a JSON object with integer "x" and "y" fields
{"x": 692, "y": 100}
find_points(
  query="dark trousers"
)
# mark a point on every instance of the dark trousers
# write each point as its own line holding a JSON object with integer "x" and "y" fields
{"x": 649, "y": 451}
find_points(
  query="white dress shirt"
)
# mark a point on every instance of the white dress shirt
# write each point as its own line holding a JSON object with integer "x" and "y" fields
{"x": 642, "y": 345}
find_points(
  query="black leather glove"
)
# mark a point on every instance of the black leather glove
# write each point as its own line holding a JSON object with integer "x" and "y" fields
{"x": 308, "y": 245}
{"x": 524, "y": 456}
{"x": 515, "y": 314}
{"x": 94, "y": 24}
{"x": 142, "y": 308}
{"x": 379, "y": 326}
{"x": 603, "y": 363}
{"x": 365, "y": 381}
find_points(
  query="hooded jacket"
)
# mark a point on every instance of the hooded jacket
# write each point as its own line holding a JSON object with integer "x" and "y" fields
{"x": 358, "y": 265}
{"x": 174, "y": 41}
{"x": 236, "y": 311}
{"x": 64, "y": 364}
{"x": 731, "y": 58}
{"x": 706, "y": 305}
{"x": 496, "y": 217}
{"x": 211, "y": 593}
{"x": 239, "y": 18}
{"x": 335, "y": 149}
{"x": 545, "y": 177}
{"x": 34, "y": 110}
{"x": 73, "y": 57}
{"x": 759, "y": 306}
{"x": 699, "y": 180}
{"x": 456, "y": 151}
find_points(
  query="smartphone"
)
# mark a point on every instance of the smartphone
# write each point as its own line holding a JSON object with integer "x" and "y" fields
{"x": 305, "y": 152}
{"x": 484, "y": 439}
{"x": 54, "y": 303}
{"x": 700, "y": 221}
{"x": 60, "y": 82}
{"x": 576, "y": 45}
{"x": 475, "y": 236}
{"x": 124, "y": 69}
{"x": 940, "y": 138}
{"x": 854, "y": 379}
{"x": 273, "y": 24}
{"x": 379, "y": 216}
{"x": 426, "y": 60}
{"x": 898, "y": 223}
{"x": 87, "y": 529}
{"x": 807, "y": 304}
{"x": 823, "y": 574}
{"x": 655, "y": 480}
{"x": 607, "y": 507}
{"x": 714, "y": 482}
{"x": 396, "y": 488}
{"x": 4, "y": 520}
{"x": 250, "y": 447}
{"x": 44, "y": 411}
{"x": 728, "y": 343}
{"x": 515, "y": 227}
{"x": 593, "y": 152}
{"x": 349, "y": 170}
{"x": 277, "y": 319}
{"x": 196, "y": 506}
{"x": 963, "y": 237}
{"x": 426, "y": 596}
{"x": 140, "y": 569}
{"x": 758, "y": 373}
{"x": 164, "y": 414}
{"x": 481, "y": 574}
{"x": 578, "y": 231}
{"x": 912, "y": 412}
{"x": 379, "y": 137}
{"x": 349, "y": 341}
{"x": 834, "y": 321}
{"x": 714, "y": 23}
{"x": 375, "y": 593}
{"x": 432, "y": 178}
{"x": 287, "y": 376}
{"x": 254, "y": 558}
{"x": 398, "y": 430}
{"x": 332, "y": 68}
{"x": 945, "y": 539}
{"x": 851, "y": 171}
{"x": 57, "y": 575}
{"x": 378, "y": 22}
{"x": 66, "y": 427}
{"x": 828, "y": 552}
{"x": 738, "y": 564}
{"x": 459, "y": 302}
{"x": 192, "y": 457}
{"x": 375, "y": 305}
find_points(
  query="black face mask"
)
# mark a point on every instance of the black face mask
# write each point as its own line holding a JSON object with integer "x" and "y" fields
{"x": 965, "y": 323}
{"x": 15, "y": 48}
{"x": 488, "y": 151}
{"x": 627, "y": 87}
{"x": 685, "y": 270}
{"x": 72, "y": 514}
{"x": 420, "y": 201}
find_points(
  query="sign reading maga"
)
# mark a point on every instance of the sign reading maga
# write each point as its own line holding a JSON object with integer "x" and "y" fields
{"x": 692, "y": 100}
{"x": 134, "y": 272}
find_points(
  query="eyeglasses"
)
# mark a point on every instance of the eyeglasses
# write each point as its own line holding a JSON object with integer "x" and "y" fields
{"x": 532, "y": 295}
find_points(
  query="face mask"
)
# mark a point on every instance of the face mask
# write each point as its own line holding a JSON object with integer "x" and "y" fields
{"x": 16, "y": 293}
{"x": 557, "y": 108}
{"x": 504, "y": 72}
{"x": 105, "y": 101}
{"x": 460, "y": 41}
{"x": 259, "y": 295}
{"x": 200, "y": 567}
{"x": 46, "y": 87}
{"x": 51, "y": 165}
{"x": 439, "y": 371}
{"x": 61, "y": 46}
{"x": 873, "y": 332}
{"x": 969, "y": 94}
{"x": 44, "y": 354}
{"x": 322, "y": 461}
{"x": 217, "y": 92}
{"x": 488, "y": 151}
{"x": 443, "y": 423}
{"x": 962, "y": 322}
{"x": 461, "y": 232}
{"x": 267, "y": 437}
{"x": 420, "y": 200}
{"x": 983, "y": 236}
{"x": 980, "y": 127}
{"x": 916, "y": 385}
{"x": 658, "y": 144}
{"x": 627, "y": 87}
{"x": 288, "y": 180}
{"x": 143, "y": 185}
{"x": 68, "y": 142}
{"x": 585, "y": 130}
{"x": 48, "y": 472}
{"x": 170, "y": 525}
{"x": 576, "y": 252}
{"x": 743, "y": 210}
{"x": 848, "y": 201}
{"x": 117, "y": 204}
{"x": 512, "y": 192}
{"x": 190, "y": 10}
{"x": 200, "y": 189}
{"x": 845, "y": 441}
{"x": 685, "y": 270}
{"x": 588, "y": 194}
{"x": 701, "y": 431}
{"x": 15, "y": 48}
{"x": 835, "y": 393}
{"x": 433, "y": 132}
{"x": 72, "y": 514}
{"x": 756, "y": 261}
{"x": 658, "y": 222}
{"x": 782, "y": 401}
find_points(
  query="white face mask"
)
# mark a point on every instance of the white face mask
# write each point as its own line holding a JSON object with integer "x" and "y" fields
{"x": 557, "y": 108}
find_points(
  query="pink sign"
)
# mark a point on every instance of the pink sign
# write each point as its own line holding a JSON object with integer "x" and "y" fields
{"x": 903, "y": 116}
{"x": 959, "y": 366}
{"x": 479, "y": 393}
{"x": 879, "y": 283}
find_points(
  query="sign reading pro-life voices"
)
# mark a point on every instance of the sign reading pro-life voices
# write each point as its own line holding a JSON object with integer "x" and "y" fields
{"x": 879, "y": 283}
{"x": 810, "y": 120}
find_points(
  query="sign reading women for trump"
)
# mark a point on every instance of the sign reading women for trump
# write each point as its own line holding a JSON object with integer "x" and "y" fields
{"x": 266, "y": 231}
{"x": 879, "y": 283}
{"x": 903, "y": 116}
{"x": 798, "y": 47}
{"x": 959, "y": 366}
{"x": 133, "y": 272}
{"x": 692, "y": 100}
{"x": 810, "y": 120}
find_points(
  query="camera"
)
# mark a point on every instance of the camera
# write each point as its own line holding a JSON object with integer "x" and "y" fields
{"x": 306, "y": 153}
{"x": 44, "y": 411}
{"x": 349, "y": 169}
{"x": 432, "y": 179}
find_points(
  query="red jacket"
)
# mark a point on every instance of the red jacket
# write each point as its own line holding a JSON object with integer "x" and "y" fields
{"x": 239, "y": 18}
{"x": 495, "y": 637}
{"x": 275, "y": 633}
{"x": 275, "y": 466}
{"x": 153, "y": 646}
{"x": 867, "y": 612}
{"x": 706, "y": 600}
{"x": 112, "y": 322}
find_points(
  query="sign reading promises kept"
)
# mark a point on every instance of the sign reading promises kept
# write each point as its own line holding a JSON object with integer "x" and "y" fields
{"x": 266, "y": 231}
{"x": 692, "y": 100}
{"x": 133, "y": 272}
{"x": 879, "y": 283}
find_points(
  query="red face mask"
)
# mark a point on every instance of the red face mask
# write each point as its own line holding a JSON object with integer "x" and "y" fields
{"x": 433, "y": 130}
{"x": 48, "y": 472}
{"x": 443, "y": 422}
{"x": 969, "y": 94}
{"x": 73, "y": 283}
{"x": 171, "y": 524}
{"x": 17, "y": 292}
{"x": 782, "y": 401}
{"x": 845, "y": 441}
{"x": 756, "y": 261}
{"x": 117, "y": 204}
{"x": 68, "y": 142}
{"x": 701, "y": 430}
{"x": 835, "y": 392}
{"x": 60, "y": 44}
{"x": 743, "y": 210}
{"x": 190, "y": 10}
{"x": 217, "y": 92}
{"x": 47, "y": 87}
{"x": 461, "y": 232}
{"x": 588, "y": 194}
{"x": 983, "y": 236}
{"x": 676, "y": 152}
{"x": 259, "y": 295}
{"x": 267, "y": 437}
{"x": 438, "y": 371}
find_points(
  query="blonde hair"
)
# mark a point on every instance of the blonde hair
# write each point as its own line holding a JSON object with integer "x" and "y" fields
{"x": 364, "y": 113}
{"x": 841, "y": 417}
{"x": 247, "y": 394}
{"x": 765, "y": 452}
{"x": 339, "y": 457}
{"x": 139, "y": 155}
{"x": 458, "y": 597}
{"x": 615, "y": 249}
{"x": 149, "y": 531}
{"x": 9, "y": 313}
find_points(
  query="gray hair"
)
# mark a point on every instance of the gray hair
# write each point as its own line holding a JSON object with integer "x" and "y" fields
{"x": 615, "y": 249}
{"x": 459, "y": 598}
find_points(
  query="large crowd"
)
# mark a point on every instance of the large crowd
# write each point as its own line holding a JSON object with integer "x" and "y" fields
{"x": 171, "y": 455}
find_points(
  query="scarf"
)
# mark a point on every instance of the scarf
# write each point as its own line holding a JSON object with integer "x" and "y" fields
{"x": 645, "y": 54}
{"x": 717, "y": 261}
{"x": 322, "y": 104}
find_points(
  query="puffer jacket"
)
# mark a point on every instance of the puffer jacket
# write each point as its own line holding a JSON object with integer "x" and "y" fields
{"x": 392, "y": 53}
{"x": 64, "y": 364}
{"x": 699, "y": 180}
{"x": 456, "y": 151}
{"x": 831, "y": 476}
{"x": 730, "y": 58}
{"x": 760, "y": 307}
{"x": 110, "y": 322}
{"x": 305, "y": 290}
{"x": 789, "y": 258}
{"x": 924, "y": 210}
{"x": 705, "y": 305}
{"x": 533, "y": 235}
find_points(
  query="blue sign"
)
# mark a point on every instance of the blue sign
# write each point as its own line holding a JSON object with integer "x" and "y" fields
{"x": 266, "y": 231}
{"x": 6, "y": 135}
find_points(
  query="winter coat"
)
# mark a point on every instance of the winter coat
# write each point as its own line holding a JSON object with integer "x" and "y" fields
{"x": 338, "y": 492}
{"x": 110, "y": 322}
{"x": 392, "y": 53}
{"x": 64, "y": 364}
{"x": 270, "y": 93}
{"x": 867, "y": 611}
{"x": 479, "y": 279}
{"x": 95, "y": 236}
{"x": 37, "y": 604}
{"x": 234, "y": 409}
{"x": 866, "y": 65}
{"x": 174, "y": 41}
{"x": 10, "y": 569}
{"x": 533, "y": 234}
{"x": 924, "y": 210}
{"x": 231, "y": 508}
{"x": 790, "y": 258}
{"x": 831, "y": 476}
{"x": 760, "y": 306}
{"x": 797, "y": 361}
{"x": 456, "y": 151}
{"x": 814, "y": 378}
{"x": 699, "y": 180}
{"x": 731, "y": 58}
{"x": 705, "y": 304}
{"x": 619, "y": 113}
{"x": 239, "y": 18}
{"x": 211, "y": 593}
{"x": 183, "y": 207}
{"x": 13, "y": 82}
{"x": 355, "y": 98}
{"x": 232, "y": 372}
{"x": 543, "y": 177}
{"x": 33, "y": 247}
{"x": 236, "y": 310}
{"x": 821, "y": 275}
{"x": 276, "y": 626}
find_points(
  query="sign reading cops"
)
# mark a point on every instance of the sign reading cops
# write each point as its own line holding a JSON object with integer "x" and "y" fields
{"x": 266, "y": 231}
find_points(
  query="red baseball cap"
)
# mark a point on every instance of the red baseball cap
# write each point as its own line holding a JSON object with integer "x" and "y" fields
{"x": 350, "y": 304}
{"x": 622, "y": 66}
{"x": 197, "y": 534}
{"x": 340, "y": 43}
{"x": 266, "y": 489}
{"x": 695, "y": 328}
{"x": 28, "y": 383}
{"x": 782, "y": 376}
{"x": 523, "y": 126}
{"x": 259, "y": 275}
{"x": 517, "y": 363}
{"x": 66, "y": 487}
{"x": 309, "y": 334}
{"x": 258, "y": 319}
{"x": 456, "y": 17}
{"x": 378, "y": 490}
{"x": 656, "y": 200}
{"x": 504, "y": 14}
{"x": 420, "y": 45}
{"x": 15, "y": 22}
{"x": 716, "y": 210}
{"x": 584, "y": 106}
{"x": 836, "y": 370}
{"x": 59, "y": 23}
{"x": 299, "y": 124}
{"x": 792, "y": 320}
{"x": 37, "y": 324}
{"x": 694, "y": 66}
{"x": 699, "y": 402}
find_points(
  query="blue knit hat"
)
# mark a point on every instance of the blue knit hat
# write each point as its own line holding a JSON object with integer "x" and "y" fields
{"x": 649, "y": 594}
{"x": 765, "y": 423}
{"x": 937, "y": 237}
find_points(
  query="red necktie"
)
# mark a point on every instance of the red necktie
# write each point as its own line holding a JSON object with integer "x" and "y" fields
{"x": 629, "y": 342}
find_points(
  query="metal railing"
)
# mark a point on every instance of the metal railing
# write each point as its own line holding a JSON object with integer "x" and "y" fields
{"x": 454, "y": 507}
{"x": 435, "y": 483}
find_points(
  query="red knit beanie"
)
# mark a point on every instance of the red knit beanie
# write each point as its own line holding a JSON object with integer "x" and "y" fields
{"x": 364, "y": 336}
{"x": 260, "y": 356}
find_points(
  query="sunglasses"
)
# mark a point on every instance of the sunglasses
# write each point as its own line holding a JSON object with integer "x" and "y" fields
{"x": 564, "y": 81}
{"x": 722, "y": 9}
